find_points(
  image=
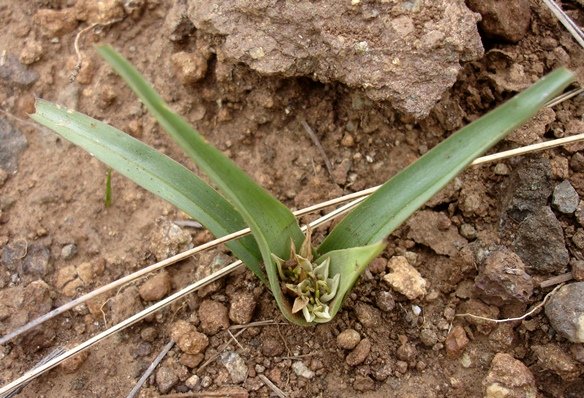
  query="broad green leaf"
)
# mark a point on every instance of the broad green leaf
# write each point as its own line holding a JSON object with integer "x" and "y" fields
{"x": 350, "y": 264}
{"x": 398, "y": 198}
{"x": 271, "y": 223}
{"x": 153, "y": 171}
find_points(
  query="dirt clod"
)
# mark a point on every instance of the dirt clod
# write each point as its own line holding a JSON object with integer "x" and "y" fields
{"x": 565, "y": 310}
{"x": 214, "y": 317}
{"x": 187, "y": 338}
{"x": 55, "y": 23}
{"x": 348, "y": 339}
{"x": 241, "y": 307}
{"x": 509, "y": 377}
{"x": 360, "y": 353}
{"x": 434, "y": 229}
{"x": 125, "y": 304}
{"x": 189, "y": 67}
{"x": 508, "y": 21}
{"x": 156, "y": 287}
{"x": 72, "y": 364}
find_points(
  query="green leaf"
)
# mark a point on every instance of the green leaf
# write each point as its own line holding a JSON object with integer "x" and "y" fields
{"x": 153, "y": 171}
{"x": 272, "y": 224}
{"x": 398, "y": 198}
{"x": 350, "y": 264}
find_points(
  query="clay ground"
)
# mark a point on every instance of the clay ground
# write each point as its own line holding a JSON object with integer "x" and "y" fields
{"x": 58, "y": 240}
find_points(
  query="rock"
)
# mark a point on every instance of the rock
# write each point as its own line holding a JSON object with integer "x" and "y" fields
{"x": 193, "y": 382}
{"x": 502, "y": 278}
{"x": 379, "y": 59}
{"x": 156, "y": 287}
{"x": 166, "y": 378}
{"x": 428, "y": 337}
{"x": 577, "y": 268}
{"x": 577, "y": 162}
{"x": 384, "y": 301}
{"x": 542, "y": 226}
{"x": 503, "y": 337}
{"x": 435, "y": 230}
{"x": 187, "y": 338}
{"x": 169, "y": 239}
{"x": 31, "y": 53}
{"x": 368, "y": 316}
{"x": 241, "y": 307}
{"x": 213, "y": 316}
{"x": 100, "y": 12}
{"x": 565, "y": 198}
{"x": 191, "y": 361}
{"x": 363, "y": 383}
{"x": 553, "y": 358}
{"x": 125, "y": 304}
{"x": 348, "y": 339}
{"x": 189, "y": 67}
{"x": 272, "y": 347}
{"x": 68, "y": 251}
{"x": 565, "y": 311}
{"x": 503, "y": 20}
{"x": 177, "y": 25}
{"x": 13, "y": 143}
{"x": 143, "y": 349}
{"x": 55, "y": 23}
{"x": 37, "y": 258}
{"x": 405, "y": 279}
{"x": 302, "y": 370}
{"x": 149, "y": 334}
{"x": 509, "y": 378}
{"x": 72, "y": 364}
{"x": 359, "y": 354}
{"x": 528, "y": 188}
{"x": 208, "y": 263}
{"x": 468, "y": 231}
{"x": 235, "y": 365}
{"x": 456, "y": 342}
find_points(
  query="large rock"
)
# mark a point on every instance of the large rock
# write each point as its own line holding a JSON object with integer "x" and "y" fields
{"x": 509, "y": 378}
{"x": 565, "y": 310}
{"x": 403, "y": 52}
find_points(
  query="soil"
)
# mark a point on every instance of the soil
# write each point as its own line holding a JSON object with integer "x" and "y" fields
{"x": 481, "y": 246}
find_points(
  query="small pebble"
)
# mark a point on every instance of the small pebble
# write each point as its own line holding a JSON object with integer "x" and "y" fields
{"x": 192, "y": 382}
{"x": 190, "y": 360}
{"x": 149, "y": 334}
{"x": 405, "y": 279}
{"x": 565, "y": 198}
{"x": 166, "y": 378}
{"x": 235, "y": 365}
{"x": 456, "y": 341}
{"x": 68, "y": 251}
{"x": 348, "y": 339}
{"x": 384, "y": 301}
{"x": 302, "y": 370}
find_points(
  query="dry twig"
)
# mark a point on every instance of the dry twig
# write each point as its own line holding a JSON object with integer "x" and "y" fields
{"x": 316, "y": 142}
{"x": 150, "y": 369}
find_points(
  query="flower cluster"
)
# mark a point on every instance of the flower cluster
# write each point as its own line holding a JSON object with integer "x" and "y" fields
{"x": 308, "y": 282}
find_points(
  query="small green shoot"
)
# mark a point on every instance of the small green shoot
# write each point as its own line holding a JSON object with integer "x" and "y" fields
{"x": 108, "y": 188}
{"x": 309, "y": 285}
